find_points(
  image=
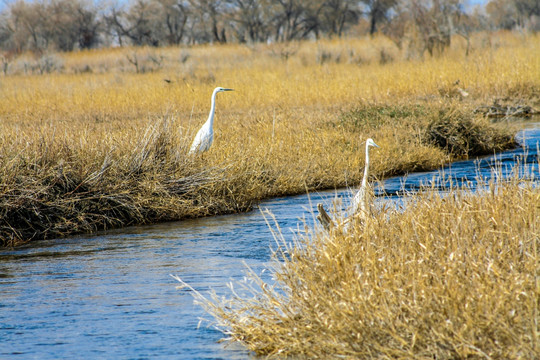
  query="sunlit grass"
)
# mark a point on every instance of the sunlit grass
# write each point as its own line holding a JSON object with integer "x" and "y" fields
{"x": 448, "y": 277}
{"x": 285, "y": 129}
{"x": 263, "y": 79}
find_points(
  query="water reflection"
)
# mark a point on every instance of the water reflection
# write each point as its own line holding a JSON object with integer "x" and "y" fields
{"x": 110, "y": 296}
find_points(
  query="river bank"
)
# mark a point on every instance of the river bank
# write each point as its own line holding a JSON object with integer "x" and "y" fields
{"x": 109, "y": 295}
{"x": 52, "y": 189}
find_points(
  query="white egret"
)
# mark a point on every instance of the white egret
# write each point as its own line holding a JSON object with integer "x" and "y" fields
{"x": 359, "y": 201}
{"x": 204, "y": 138}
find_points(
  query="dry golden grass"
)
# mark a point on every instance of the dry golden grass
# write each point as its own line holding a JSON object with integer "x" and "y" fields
{"x": 97, "y": 145}
{"x": 450, "y": 277}
{"x": 265, "y": 82}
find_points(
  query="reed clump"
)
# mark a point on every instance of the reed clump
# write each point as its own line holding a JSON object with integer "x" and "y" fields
{"x": 450, "y": 277}
{"x": 462, "y": 135}
{"x": 53, "y": 187}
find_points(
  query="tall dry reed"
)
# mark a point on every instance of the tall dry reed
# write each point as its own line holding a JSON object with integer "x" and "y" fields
{"x": 449, "y": 277}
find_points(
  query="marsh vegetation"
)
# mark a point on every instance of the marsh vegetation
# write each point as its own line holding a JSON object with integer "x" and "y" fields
{"x": 97, "y": 143}
{"x": 98, "y": 139}
{"x": 450, "y": 277}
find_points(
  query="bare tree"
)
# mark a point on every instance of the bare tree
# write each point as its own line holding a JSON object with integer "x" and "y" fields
{"x": 378, "y": 12}
{"x": 434, "y": 22}
{"x": 509, "y": 14}
{"x": 210, "y": 16}
{"x": 249, "y": 20}
{"x": 426, "y": 25}
{"x": 502, "y": 13}
{"x": 294, "y": 19}
{"x": 25, "y": 28}
{"x": 89, "y": 26}
{"x": 336, "y": 14}
{"x": 140, "y": 23}
{"x": 174, "y": 14}
{"x": 70, "y": 24}
{"x": 58, "y": 24}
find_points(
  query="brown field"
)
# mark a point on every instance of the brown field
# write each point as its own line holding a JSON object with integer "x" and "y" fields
{"x": 92, "y": 141}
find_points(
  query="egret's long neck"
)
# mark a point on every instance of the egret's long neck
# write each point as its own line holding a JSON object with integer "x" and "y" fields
{"x": 366, "y": 168}
{"x": 212, "y": 109}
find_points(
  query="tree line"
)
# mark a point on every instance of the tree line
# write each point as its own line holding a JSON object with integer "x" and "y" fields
{"x": 66, "y": 25}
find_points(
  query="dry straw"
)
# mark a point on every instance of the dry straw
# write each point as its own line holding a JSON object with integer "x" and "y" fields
{"x": 106, "y": 147}
{"x": 449, "y": 277}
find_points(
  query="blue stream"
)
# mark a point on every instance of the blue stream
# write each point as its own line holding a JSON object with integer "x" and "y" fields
{"x": 110, "y": 296}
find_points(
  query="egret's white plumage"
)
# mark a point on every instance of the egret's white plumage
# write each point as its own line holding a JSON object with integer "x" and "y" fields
{"x": 359, "y": 201}
{"x": 204, "y": 138}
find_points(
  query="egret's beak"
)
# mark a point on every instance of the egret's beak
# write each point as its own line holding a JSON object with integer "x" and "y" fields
{"x": 372, "y": 143}
{"x": 228, "y": 89}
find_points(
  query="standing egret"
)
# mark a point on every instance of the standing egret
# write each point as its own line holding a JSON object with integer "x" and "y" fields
{"x": 204, "y": 138}
{"x": 360, "y": 199}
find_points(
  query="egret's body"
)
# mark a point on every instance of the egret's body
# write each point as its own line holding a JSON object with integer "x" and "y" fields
{"x": 360, "y": 199}
{"x": 204, "y": 138}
